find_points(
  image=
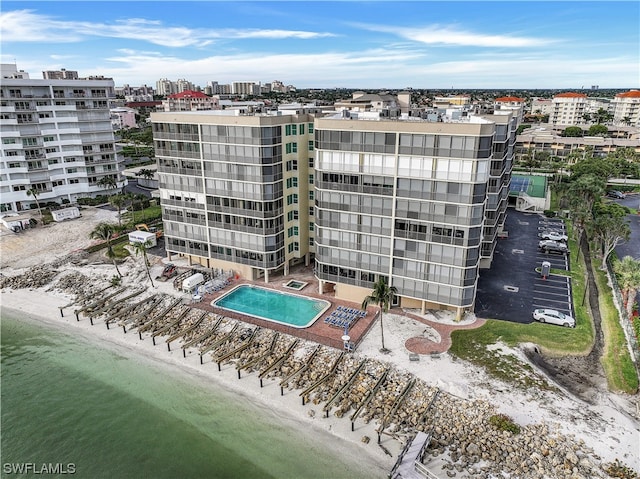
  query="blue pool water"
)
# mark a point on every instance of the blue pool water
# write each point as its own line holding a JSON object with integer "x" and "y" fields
{"x": 283, "y": 308}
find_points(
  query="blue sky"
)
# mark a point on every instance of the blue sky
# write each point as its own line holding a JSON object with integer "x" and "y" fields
{"x": 378, "y": 44}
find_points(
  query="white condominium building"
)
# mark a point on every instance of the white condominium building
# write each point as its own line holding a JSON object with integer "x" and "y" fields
{"x": 569, "y": 109}
{"x": 57, "y": 140}
{"x": 626, "y": 108}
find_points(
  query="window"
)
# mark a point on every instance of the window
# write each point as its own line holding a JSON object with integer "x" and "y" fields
{"x": 311, "y": 226}
{"x": 292, "y": 182}
{"x": 311, "y": 242}
{"x": 292, "y": 165}
{"x": 291, "y": 147}
{"x": 49, "y": 138}
{"x": 292, "y": 231}
{"x": 292, "y": 215}
{"x": 311, "y": 195}
{"x": 310, "y": 179}
{"x": 311, "y": 162}
{"x": 311, "y": 211}
{"x": 292, "y": 199}
{"x": 310, "y": 145}
{"x": 310, "y": 129}
{"x": 302, "y": 129}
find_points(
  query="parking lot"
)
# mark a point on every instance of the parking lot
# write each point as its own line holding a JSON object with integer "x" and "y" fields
{"x": 512, "y": 288}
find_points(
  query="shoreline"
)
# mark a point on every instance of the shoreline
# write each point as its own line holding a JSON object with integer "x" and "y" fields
{"x": 287, "y": 408}
{"x": 604, "y": 429}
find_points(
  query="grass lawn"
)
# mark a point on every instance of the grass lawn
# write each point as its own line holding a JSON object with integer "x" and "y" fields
{"x": 616, "y": 361}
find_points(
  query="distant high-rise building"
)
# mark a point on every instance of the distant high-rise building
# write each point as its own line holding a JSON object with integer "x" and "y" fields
{"x": 57, "y": 140}
{"x": 60, "y": 75}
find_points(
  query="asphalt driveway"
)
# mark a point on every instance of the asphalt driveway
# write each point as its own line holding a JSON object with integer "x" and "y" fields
{"x": 512, "y": 288}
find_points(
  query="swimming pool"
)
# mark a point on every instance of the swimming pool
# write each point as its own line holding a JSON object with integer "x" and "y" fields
{"x": 262, "y": 303}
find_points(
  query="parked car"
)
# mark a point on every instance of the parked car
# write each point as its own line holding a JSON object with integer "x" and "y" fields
{"x": 554, "y": 236}
{"x": 618, "y": 195}
{"x": 549, "y": 246}
{"x": 554, "y": 317}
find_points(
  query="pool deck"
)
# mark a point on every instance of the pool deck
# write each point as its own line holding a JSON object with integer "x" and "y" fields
{"x": 322, "y": 333}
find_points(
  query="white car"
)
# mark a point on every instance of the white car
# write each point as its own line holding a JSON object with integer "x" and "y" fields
{"x": 554, "y": 317}
{"x": 554, "y": 236}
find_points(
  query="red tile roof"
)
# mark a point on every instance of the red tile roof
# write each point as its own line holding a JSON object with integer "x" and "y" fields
{"x": 188, "y": 94}
{"x": 629, "y": 94}
{"x": 570, "y": 94}
{"x": 510, "y": 99}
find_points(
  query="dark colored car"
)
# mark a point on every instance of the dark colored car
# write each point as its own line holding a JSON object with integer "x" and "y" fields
{"x": 618, "y": 195}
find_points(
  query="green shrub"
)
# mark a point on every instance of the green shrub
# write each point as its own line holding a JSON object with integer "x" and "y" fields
{"x": 504, "y": 423}
{"x": 550, "y": 213}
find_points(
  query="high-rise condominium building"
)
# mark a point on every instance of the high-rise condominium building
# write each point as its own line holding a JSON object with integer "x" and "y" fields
{"x": 236, "y": 190}
{"x": 626, "y": 108}
{"x": 416, "y": 202}
{"x": 57, "y": 140}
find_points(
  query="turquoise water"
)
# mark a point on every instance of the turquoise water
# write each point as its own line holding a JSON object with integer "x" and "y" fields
{"x": 116, "y": 414}
{"x": 283, "y": 308}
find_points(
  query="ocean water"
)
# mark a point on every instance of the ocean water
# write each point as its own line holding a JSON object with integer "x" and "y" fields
{"x": 102, "y": 412}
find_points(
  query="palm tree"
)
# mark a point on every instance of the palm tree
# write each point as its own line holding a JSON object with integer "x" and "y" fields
{"x": 108, "y": 182}
{"x": 382, "y": 295}
{"x": 140, "y": 248}
{"x": 33, "y": 192}
{"x": 628, "y": 271}
{"x": 118, "y": 201}
{"x": 104, "y": 232}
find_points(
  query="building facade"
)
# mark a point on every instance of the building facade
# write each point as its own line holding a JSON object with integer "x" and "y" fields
{"x": 237, "y": 190}
{"x": 404, "y": 201}
{"x": 57, "y": 141}
{"x": 190, "y": 101}
{"x": 419, "y": 203}
{"x": 569, "y": 109}
{"x": 626, "y": 108}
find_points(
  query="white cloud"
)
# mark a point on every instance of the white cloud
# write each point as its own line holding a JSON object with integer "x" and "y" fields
{"x": 27, "y": 26}
{"x": 371, "y": 69}
{"x": 451, "y": 35}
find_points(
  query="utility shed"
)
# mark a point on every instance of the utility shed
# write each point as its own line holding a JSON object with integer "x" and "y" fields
{"x": 66, "y": 214}
{"x": 190, "y": 283}
{"x": 143, "y": 237}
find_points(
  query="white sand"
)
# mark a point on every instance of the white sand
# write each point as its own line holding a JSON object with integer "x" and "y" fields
{"x": 610, "y": 428}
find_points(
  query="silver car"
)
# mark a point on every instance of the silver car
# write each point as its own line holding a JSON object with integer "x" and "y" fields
{"x": 554, "y": 236}
{"x": 554, "y": 317}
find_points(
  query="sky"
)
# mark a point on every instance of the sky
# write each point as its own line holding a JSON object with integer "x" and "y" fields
{"x": 346, "y": 44}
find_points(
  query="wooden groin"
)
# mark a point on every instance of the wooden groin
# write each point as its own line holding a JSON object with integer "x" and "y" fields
{"x": 202, "y": 337}
{"x": 219, "y": 342}
{"x": 149, "y": 324}
{"x": 123, "y": 311}
{"x": 331, "y": 372}
{"x": 149, "y": 306}
{"x": 239, "y": 349}
{"x": 261, "y": 358}
{"x": 394, "y": 408}
{"x": 344, "y": 387}
{"x": 300, "y": 370}
{"x": 170, "y": 325}
{"x": 364, "y": 403}
{"x": 278, "y": 361}
{"x": 182, "y": 332}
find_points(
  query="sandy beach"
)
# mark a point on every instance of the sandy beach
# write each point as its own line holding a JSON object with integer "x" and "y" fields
{"x": 604, "y": 432}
